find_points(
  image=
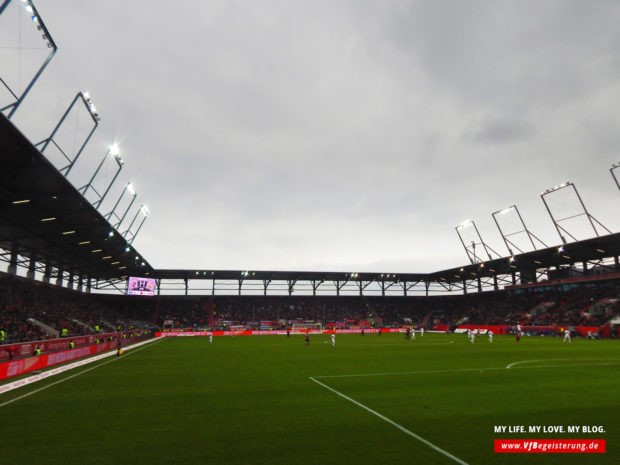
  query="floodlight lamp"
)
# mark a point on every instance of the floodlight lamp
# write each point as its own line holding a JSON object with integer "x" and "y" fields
{"x": 127, "y": 249}
{"x": 145, "y": 210}
{"x": 511, "y": 259}
{"x": 111, "y": 234}
{"x": 131, "y": 189}
{"x": 113, "y": 150}
{"x": 463, "y": 224}
{"x": 506, "y": 210}
{"x": 561, "y": 249}
{"x": 28, "y": 8}
{"x": 86, "y": 95}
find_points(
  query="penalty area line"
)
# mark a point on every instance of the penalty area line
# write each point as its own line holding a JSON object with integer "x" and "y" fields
{"x": 77, "y": 374}
{"x": 393, "y": 423}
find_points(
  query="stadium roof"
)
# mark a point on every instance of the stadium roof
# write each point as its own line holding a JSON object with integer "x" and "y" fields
{"x": 584, "y": 257}
{"x": 45, "y": 218}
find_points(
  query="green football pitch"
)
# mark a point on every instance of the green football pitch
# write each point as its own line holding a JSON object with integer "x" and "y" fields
{"x": 268, "y": 400}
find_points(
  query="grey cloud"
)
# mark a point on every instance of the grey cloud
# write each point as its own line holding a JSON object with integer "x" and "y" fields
{"x": 500, "y": 130}
{"x": 345, "y": 132}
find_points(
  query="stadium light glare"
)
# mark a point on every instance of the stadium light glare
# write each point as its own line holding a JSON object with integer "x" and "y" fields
{"x": 145, "y": 210}
{"x": 67, "y": 233}
{"x": 558, "y": 187}
{"x": 91, "y": 106}
{"x": 131, "y": 189}
{"x": 106, "y": 257}
{"x": 114, "y": 150}
{"x": 600, "y": 251}
{"x": 560, "y": 249}
{"x": 19, "y": 202}
{"x": 462, "y": 224}
{"x": 114, "y": 263}
{"x": 83, "y": 242}
{"x": 96, "y": 251}
{"x": 127, "y": 249}
{"x": 45, "y": 220}
{"x": 111, "y": 234}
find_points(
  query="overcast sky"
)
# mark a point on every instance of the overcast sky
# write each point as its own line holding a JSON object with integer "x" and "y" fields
{"x": 339, "y": 135}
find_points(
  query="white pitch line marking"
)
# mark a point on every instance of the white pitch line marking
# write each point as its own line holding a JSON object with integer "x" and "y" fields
{"x": 393, "y": 423}
{"x": 464, "y": 370}
{"x": 77, "y": 374}
{"x": 533, "y": 361}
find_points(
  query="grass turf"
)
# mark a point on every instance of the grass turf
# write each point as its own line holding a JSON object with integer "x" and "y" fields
{"x": 251, "y": 400}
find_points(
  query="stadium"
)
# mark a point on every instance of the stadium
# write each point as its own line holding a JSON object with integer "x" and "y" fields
{"x": 510, "y": 357}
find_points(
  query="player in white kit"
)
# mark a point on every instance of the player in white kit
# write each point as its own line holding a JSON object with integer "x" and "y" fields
{"x": 412, "y": 334}
{"x": 490, "y": 333}
{"x": 422, "y": 331}
{"x": 210, "y": 338}
{"x": 333, "y": 337}
{"x": 567, "y": 335}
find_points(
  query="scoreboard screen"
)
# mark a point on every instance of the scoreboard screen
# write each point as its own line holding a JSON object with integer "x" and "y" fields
{"x": 140, "y": 286}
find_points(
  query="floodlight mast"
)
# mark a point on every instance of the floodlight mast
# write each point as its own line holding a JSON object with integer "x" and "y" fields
{"x": 531, "y": 236}
{"x": 470, "y": 250}
{"x": 613, "y": 174}
{"x": 556, "y": 221}
{"x": 90, "y": 107}
{"x": 114, "y": 152}
{"x": 36, "y": 19}
{"x": 145, "y": 212}
{"x": 129, "y": 188}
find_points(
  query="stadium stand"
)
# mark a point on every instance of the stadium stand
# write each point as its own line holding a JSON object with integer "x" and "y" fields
{"x": 28, "y": 306}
